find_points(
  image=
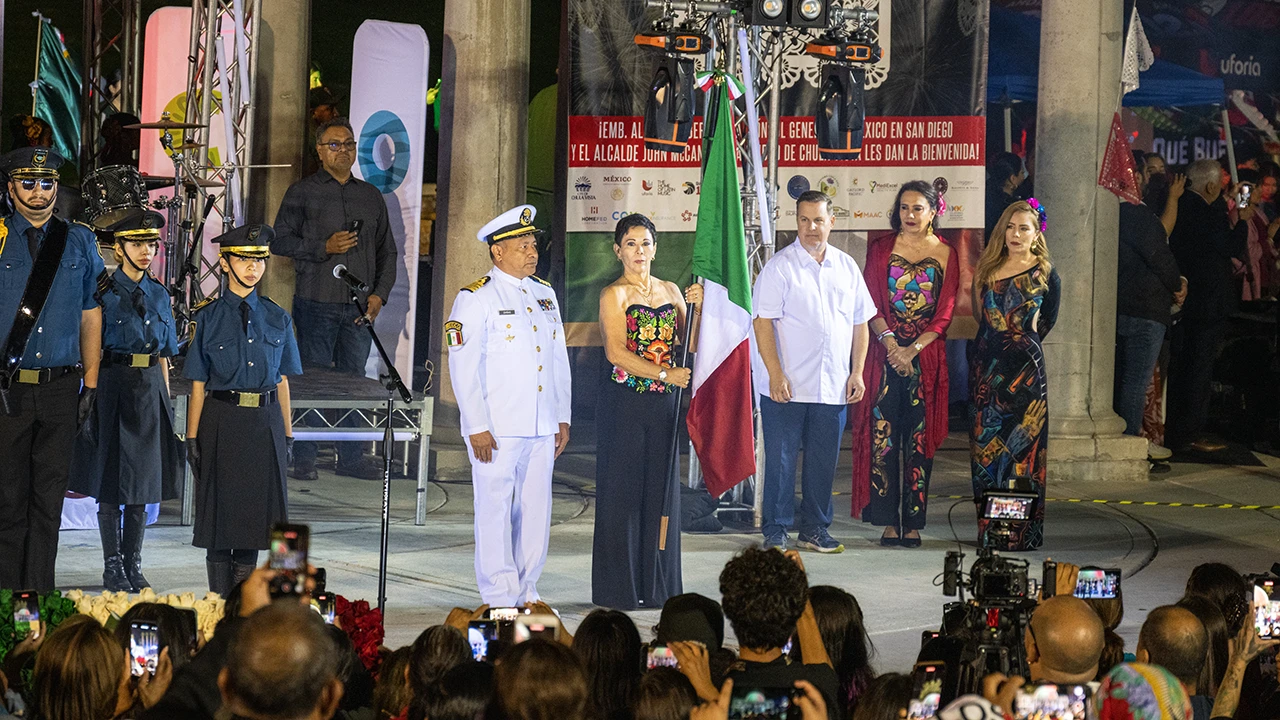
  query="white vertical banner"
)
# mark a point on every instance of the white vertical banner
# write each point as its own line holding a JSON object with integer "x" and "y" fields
{"x": 389, "y": 116}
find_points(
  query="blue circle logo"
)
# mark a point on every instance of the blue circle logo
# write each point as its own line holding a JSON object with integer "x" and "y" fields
{"x": 796, "y": 186}
{"x": 386, "y": 123}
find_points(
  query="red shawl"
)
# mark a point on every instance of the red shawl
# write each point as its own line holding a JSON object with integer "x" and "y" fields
{"x": 933, "y": 364}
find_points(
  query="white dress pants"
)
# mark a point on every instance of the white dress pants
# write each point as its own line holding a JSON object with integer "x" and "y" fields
{"x": 513, "y": 518}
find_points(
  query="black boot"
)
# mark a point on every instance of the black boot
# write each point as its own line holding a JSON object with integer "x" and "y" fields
{"x": 135, "y": 526}
{"x": 113, "y": 575}
{"x": 219, "y": 572}
{"x": 240, "y": 572}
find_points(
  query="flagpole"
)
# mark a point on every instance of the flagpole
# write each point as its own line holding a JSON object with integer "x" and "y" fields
{"x": 673, "y": 469}
{"x": 35, "y": 85}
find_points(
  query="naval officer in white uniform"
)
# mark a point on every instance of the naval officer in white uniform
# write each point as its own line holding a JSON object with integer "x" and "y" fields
{"x": 509, "y": 368}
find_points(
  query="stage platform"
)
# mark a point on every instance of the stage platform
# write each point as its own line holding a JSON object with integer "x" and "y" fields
{"x": 431, "y": 566}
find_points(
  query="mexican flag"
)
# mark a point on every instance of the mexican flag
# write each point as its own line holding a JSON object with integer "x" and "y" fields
{"x": 720, "y": 420}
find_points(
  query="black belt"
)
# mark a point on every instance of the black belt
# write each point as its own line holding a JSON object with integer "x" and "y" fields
{"x": 244, "y": 399}
{"x": 135, "y": 360}
{"x": 40, "y": 376}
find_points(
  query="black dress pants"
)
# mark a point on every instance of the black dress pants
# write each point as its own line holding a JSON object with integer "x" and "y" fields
{"x": 37, "y": 443}
{"x": 1195, "y": 346}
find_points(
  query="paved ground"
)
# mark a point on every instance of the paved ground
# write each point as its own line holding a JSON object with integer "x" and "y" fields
{"x": 430, "y": 567}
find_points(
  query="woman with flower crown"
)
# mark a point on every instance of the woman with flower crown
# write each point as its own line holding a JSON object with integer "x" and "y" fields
{"x": 641, "y": 318}
{"x": 1015, "y": 298}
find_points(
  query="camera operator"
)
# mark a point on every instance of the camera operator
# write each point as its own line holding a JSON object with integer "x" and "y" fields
{"x": 1064, "y": 642}
{"x": 766, "y": 598}
{"x": 1174, "y": 638}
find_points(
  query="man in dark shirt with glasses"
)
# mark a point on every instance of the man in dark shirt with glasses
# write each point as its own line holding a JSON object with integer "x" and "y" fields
{"x": 327, "y": 219}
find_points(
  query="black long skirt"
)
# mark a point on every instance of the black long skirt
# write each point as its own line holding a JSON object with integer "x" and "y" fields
{"x": 241, "y": 489}
{"x": 137, "y": 458}
{"x": 633, "y": 445}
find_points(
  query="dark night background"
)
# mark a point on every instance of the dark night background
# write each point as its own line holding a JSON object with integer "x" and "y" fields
{"x": 333, "y": 27}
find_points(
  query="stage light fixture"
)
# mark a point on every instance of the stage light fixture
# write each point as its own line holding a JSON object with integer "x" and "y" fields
{"x": 771, "y": 13}
{"x": 809, "y": 13}
{"x": 669, "y": 110}
{"x": 841, "y": 112}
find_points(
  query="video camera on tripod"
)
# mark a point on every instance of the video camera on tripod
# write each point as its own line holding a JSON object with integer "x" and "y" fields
{"x": 984, "y": 634}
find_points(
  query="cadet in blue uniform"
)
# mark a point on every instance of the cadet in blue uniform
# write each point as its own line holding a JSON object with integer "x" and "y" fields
{"x": 126, "y": 454}
{"x": 239, "y": 434}
{"x": 50, "y": 329}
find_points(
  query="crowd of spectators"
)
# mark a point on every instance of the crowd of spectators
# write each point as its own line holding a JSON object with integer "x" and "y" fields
{"x": 275, "y": 659}
{"x": 1198, "y": 246}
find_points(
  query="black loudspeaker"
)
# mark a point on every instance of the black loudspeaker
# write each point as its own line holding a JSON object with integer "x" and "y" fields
{"x": 668, "y": 114}
{"x": 841, "y": 112}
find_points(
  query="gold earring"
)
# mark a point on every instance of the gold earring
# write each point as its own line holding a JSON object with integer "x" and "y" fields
{"x": 929, "y": 230}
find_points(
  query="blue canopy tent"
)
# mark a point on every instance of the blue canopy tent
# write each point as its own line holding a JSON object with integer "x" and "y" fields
{"x": 1014, "y": 62}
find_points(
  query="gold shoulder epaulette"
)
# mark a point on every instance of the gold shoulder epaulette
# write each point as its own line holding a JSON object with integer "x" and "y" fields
{"x": 535, "y": 278}
{"x": 200, "y": 305}
{"x": 477, "y": 284}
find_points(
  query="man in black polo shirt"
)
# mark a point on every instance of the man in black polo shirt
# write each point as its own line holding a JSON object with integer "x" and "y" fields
{"x": 327, "y": 219}
{"x": 765, "y": 595}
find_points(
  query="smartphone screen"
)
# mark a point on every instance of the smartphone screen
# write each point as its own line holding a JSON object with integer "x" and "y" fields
{"x": 1098, "y": 584}
{"x": 1060, "y": 702}
{"x": 537, "y": 626}
{"x": 1266, "y": 609}
{"x": 661, "y": 656}
{"x": 507, "y": 614}
{"x": 288, "y": 556}
{"x": 324, "y": 603}
{"x": 26, "y": 613}
{"x": 760, "y": 703}
{"x": 479, "y": 634}
{"x": 926, "y": 690}
{"x": 144, "y": 647}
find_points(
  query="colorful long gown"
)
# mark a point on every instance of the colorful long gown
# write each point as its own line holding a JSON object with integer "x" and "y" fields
{"x": 900, "y": 467}
{"x": 634, "y": 419}
{"x": 1008, "y": 431}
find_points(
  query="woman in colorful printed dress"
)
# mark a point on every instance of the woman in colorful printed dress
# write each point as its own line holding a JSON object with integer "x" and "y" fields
{"x": 1015, "y": 297}
{"x": 913, "y": 277}
{"x": 641, "y": 318}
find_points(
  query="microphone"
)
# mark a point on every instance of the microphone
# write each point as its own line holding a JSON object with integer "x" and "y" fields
{"x": 340, "y": 272}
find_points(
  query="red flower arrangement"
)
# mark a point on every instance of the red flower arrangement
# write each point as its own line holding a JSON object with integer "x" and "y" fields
{"x": 363, "y": 625}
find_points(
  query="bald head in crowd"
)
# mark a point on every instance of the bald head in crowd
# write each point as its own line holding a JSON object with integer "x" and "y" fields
{"x": 281, "y": 665}
{"x": 1174, "y": 638}
{"x": 1064, "y": 641}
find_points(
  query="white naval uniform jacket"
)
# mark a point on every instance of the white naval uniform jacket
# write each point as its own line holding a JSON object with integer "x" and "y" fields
{"x": 508, "y": 362}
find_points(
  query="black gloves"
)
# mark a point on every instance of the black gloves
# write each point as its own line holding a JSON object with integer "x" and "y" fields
{"x": 87, "y": 414}
{"x": 288, "y": 451}
{"x": 193, "y": 456}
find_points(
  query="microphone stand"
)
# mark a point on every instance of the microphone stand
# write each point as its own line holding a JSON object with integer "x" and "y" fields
{"x": 394, "y": 384}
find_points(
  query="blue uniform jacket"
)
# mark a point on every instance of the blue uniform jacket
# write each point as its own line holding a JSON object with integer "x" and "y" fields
{"x": 125, "y": 330}
{"x": 225, "y": 356}
{"x": 56, "y": 340}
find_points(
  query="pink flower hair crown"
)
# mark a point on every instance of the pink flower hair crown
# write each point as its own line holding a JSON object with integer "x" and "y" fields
{"x": 1044, "y": 216}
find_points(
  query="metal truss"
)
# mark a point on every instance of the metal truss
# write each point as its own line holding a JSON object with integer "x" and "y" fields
{"x": 112, "y": 42}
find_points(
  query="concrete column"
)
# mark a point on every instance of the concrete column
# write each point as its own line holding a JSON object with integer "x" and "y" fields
{"x": 483, "y": 144}
{"x": 279, "y": 123}
{"x": 1081, "y": 42}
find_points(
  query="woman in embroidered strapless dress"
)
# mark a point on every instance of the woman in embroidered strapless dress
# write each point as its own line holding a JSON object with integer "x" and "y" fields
{"x": 641, "y": 318}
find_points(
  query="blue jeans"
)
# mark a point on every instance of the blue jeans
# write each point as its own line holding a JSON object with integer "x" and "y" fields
{"x": 329, "y": 338}
{"x": 788, "y": 427}
{"x": 1138, "y": 342}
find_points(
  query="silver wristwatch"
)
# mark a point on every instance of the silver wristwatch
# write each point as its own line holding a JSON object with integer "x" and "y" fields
{"x": 662, "y": 375}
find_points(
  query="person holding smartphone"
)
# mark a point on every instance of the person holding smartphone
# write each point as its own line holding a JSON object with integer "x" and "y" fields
{"x": 327, "y": 219}
{"x": 239, "y": 428}
{"x": 127, "y": 453}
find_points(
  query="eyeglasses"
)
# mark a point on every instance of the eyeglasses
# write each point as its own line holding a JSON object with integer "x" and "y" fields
{"x": 29, "y": 184}
{"x": 340, "y": 146}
